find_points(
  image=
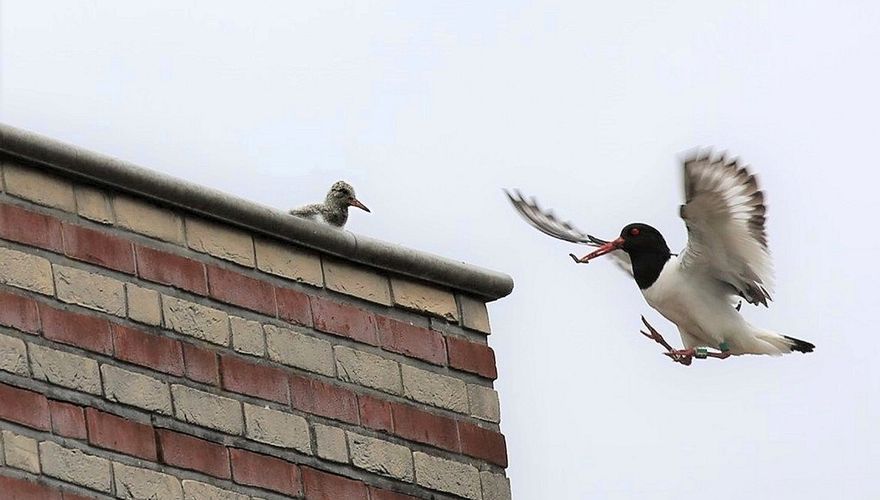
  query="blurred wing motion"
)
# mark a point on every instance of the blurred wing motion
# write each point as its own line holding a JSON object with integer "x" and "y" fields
{"x": 548, "y": 224}
{"x": 724, "y": 213}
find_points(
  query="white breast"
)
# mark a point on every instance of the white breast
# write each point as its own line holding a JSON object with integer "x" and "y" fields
{"x": 697, "y": 304}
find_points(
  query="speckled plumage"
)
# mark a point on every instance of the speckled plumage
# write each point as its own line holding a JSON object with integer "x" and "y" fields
{"x": 334, "y": 210}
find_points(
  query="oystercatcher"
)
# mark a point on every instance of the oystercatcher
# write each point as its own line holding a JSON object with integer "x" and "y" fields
{"x": 726, "y": 259}
{"x": 334, "y": 210}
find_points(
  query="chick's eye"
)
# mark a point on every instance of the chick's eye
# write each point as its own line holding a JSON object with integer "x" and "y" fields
{"x": 634, "y": 231}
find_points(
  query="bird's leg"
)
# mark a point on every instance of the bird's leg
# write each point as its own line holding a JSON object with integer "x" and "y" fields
{"x": 679, "y": 356}
{"x": 655, "y": 335}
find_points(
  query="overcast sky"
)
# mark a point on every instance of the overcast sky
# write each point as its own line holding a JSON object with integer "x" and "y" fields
{"x": 430, "y": 108}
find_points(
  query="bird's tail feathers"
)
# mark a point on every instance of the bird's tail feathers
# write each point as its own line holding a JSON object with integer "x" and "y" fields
{"x": 800, "y": 345}
{"x": 776, "y": 344}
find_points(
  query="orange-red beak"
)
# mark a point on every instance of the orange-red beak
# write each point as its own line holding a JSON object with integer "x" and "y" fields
{"x": 355, "y": 203}
{"x": 606, "y": 248}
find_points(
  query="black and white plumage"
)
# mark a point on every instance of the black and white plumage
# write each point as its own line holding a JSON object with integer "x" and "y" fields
{"x": 334, "y": 210}
{"x": 726, "y": 257}
{"x": 547, "y": 223}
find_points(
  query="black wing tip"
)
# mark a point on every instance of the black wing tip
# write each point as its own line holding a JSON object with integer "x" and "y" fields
{"x": 799, "y": 345}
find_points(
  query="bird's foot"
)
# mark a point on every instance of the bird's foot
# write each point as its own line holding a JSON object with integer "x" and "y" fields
{"x": 683, "y": 356}
{"x": 655, "y": 335}
{"x": 679, "y": 356}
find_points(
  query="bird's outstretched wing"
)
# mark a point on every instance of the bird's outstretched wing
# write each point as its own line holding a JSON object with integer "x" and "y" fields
{"x": 724, "y": 213}
{"x": 547, "y": 223}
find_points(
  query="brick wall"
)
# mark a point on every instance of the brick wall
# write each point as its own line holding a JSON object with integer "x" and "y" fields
{"x": 147, "y": 352}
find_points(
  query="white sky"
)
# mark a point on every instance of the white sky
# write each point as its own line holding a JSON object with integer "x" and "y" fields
{"x": 430, "y": 109}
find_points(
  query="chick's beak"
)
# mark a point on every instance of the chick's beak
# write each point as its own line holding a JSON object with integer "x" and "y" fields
{"x": 356, "y": 203}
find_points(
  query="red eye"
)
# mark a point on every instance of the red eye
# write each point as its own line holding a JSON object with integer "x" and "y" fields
{"x": 634, "y": 231}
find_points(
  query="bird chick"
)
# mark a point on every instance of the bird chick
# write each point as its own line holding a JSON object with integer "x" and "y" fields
{"x": 334, "y": 210}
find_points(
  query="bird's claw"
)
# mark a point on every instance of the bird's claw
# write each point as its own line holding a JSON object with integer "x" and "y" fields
{"x": 683, "y": 356}
{"x": 577, "y": 260}
{"x": 679, "y": 356}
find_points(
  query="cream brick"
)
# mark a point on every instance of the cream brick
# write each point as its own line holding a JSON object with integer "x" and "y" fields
{"x": 93, "y": 204}
{"x": 483, "y": 402}
{"x": 381, "y": 457}
{"x": 148, "y": 219}
{"x": 39, "y": 187}
{"x": 357, "y": 281}
{"x": 23, "y": 270}
{"x": 196, "y": 320}
{"x": 368, "y": 370}
{"x": 283, "y": 259}
{"x": 424, "y": 298}
{"x": 65, "y": 369}
{"x": 247, "y": 336}
{"x": 144, "y": 305}
{"x": 220, "y": 241}
{"x": 194, "y": 490}
{"x": 495, "y": 486}
{"x": 301, "y": 351}
{"x": 277, "y": 428}
{"x": 434, "y": 389}
{"x": 135, "y": 389}
{"x": 208, "y": 410}
{"x": 74, "y": 466}
{"x": 330, "y": 443}
{"x": 137, "y": 484}
{"x": 447, "y": 476}
{"x": 474, "y": 314}
{"x": 90, "y": 290}
{"x": 13, "y": 356}
{"x": 21, "y": 452}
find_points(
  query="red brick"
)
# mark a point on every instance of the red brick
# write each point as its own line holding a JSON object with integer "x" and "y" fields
{"x": 240, "y": 290}
{"x": 264, "y": 382}
{"x": 68, "y": 420}
{"x": 423, "y": 427}
{"x": 411, "y": 340}
{"x": 263, "y": 471}
{"x": 293, "y": 306}
{"x": 375, "y": 413}
{"x": 99, "y": 248}
{"x": 66, "y": 495}
{"x": 201, "y": 364}
{"x": 19, "y": 312}
{"x": 30, "y": 228}
{"x": 120, "y": 434}
{"x": 471, "y": 357}
{"x": 344, "y": 320}
{"x": 169, "y": 269}
{"x": 379, "y": 494}
{"x": 326, "y": 400}
{"x": 153, "y": 351}
{"x": 481, "y": 443}
{"x": 188, "y": 452}
{"x": 24, "y": 407}
{"x": 21, "y": 489}
{"x": 81, "y": 330}
{"x": 325, "y": 486}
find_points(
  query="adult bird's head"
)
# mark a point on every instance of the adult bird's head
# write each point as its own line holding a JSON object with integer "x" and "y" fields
{"x": 637, "y": 240}
{"x": 342, "y": 195}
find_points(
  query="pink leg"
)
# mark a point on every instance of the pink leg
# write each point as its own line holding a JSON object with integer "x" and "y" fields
{"x": 683, "y": 356}
{"x": 678, "y": 356}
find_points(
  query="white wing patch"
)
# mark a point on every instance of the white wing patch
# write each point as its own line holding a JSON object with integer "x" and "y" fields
{"x": 725, "y": 214}
{"x": 547, "y": 223}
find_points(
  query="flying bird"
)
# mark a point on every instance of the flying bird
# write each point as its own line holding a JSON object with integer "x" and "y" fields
{"x": 726, "y": 260}
{"x": 334, "y": 210}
